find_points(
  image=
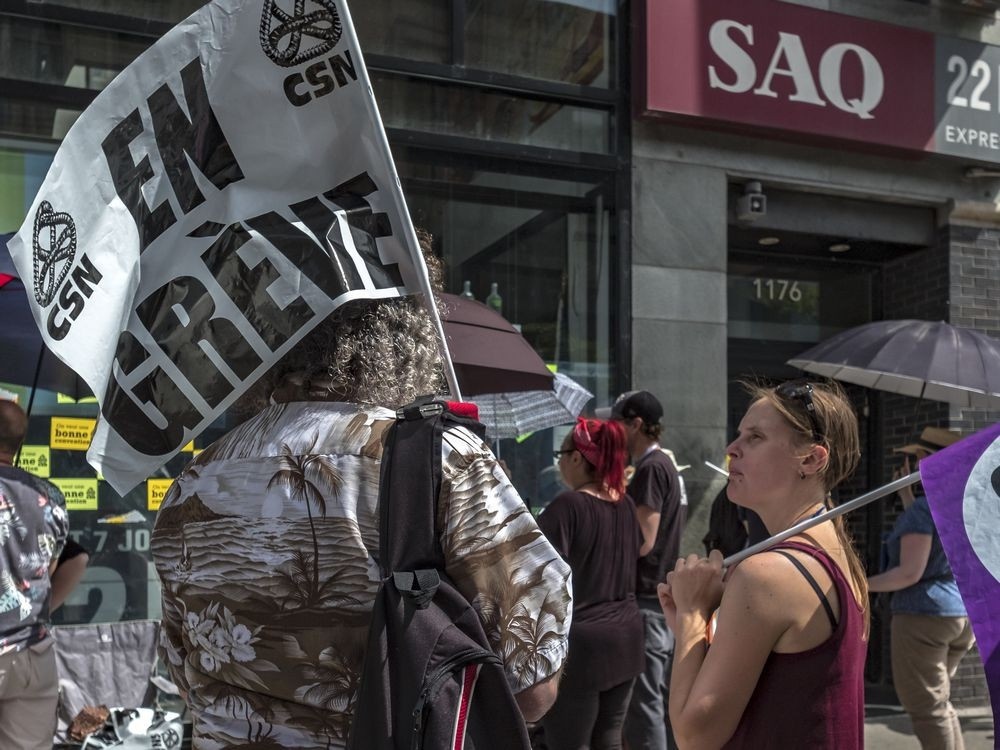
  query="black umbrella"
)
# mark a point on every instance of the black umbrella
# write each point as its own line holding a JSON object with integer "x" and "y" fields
{"x": 936, "y": 361}
{"x": 24, "y": 358}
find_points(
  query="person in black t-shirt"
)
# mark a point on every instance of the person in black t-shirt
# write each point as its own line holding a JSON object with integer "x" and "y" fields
{"x": 731, "y": 527}
{"x": 594, "y": 528}
{"x": 727, "y": 531}
{"x": 69, "y": 571}
{"x": 661, "y": 507}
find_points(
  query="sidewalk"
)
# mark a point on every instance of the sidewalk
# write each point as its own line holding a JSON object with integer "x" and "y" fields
{"x": 888, "y": 727}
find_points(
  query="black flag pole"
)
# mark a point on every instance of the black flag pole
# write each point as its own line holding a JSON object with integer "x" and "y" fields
{"x": 858, "y": 502}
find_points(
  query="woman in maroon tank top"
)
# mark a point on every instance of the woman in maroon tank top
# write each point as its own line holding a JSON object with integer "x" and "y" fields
{"x": 786, "y": 664}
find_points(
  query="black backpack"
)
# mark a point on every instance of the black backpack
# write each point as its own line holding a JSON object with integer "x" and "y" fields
{"x": 430, "y": 679}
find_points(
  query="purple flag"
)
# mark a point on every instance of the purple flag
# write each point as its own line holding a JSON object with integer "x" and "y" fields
{"x": 962, "y": 484}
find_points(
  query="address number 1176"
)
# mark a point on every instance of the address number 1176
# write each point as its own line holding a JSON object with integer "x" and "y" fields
{"x": 777, "y": 289}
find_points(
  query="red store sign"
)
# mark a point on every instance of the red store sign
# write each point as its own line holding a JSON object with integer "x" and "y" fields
{"x": 775, "y": 65}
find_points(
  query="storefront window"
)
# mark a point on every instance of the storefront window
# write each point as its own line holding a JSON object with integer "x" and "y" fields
{"x": 21, "y": 174}
{"x": 547, "y": 243}
{"x": 64, "y": 55}
{"x": 416, "y": 29}
{"x": 413, "y": 104}
{"x": 160, "y": 10}
{"x": 35, "y": 119}
{"x": 569, "y": 41}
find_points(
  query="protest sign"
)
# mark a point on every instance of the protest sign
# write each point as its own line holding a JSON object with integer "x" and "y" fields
{"x": 218, "y": 200}
{"x": 962, "y": 484}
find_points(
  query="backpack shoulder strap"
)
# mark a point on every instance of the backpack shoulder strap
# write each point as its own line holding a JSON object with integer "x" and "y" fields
{"x": 410, "y": 483}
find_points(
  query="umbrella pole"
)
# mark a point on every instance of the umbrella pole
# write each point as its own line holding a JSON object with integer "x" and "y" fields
{"x": 840, "y": 510}
{"x": 31, "y": 398}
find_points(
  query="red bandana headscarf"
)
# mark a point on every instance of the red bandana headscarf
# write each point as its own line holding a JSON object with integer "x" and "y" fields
{"x": 584, "y": 443}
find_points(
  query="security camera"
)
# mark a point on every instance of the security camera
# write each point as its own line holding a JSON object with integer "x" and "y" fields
{"x": 752, "y": 205}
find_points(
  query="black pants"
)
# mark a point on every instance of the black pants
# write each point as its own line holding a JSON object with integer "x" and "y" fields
{"x": 587, "y": 719}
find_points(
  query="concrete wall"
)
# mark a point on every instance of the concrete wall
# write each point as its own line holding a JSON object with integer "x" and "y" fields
{"x": 679, "y": 312}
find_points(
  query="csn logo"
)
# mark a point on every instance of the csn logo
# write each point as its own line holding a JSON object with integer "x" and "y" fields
{"x": 299, "y": 36}
{"x": 54, "y": 245}
{"x": 53, "y": 250}
{"x": 309, "y": 30}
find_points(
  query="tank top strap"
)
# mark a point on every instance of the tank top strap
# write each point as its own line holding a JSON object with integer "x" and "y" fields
{"x": 844, "y": 591}
{"x": 812, "y": 582}
{"x": 821, "y": 555}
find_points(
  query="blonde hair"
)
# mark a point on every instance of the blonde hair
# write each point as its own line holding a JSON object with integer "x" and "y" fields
{"x": 834, "y": 425}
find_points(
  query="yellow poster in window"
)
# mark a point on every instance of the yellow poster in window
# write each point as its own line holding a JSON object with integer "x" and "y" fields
{"x": 156, "y": 489}
{"x": 62, "y": 398}
{"x": 80, "y": 494}
{"x": 71, "y": 433}
{"x": 35, "y": 459}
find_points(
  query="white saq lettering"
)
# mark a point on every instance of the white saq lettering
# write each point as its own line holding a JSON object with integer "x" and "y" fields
{"x": 791, "y": 50}
{"x": 789, "y": 59}
{"x": 737, "y": 58}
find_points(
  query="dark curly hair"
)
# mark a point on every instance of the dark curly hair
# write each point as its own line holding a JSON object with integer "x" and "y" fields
{"x": 372, "y": 352}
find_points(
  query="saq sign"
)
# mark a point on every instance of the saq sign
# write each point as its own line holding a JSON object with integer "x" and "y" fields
{"x": 778, "y": 65}
{"x": 198, "y": 220}
{"x": 730, "y": 41}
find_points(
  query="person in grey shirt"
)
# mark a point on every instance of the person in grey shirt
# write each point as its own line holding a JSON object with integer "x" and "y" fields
{"x": 33, "y": 529}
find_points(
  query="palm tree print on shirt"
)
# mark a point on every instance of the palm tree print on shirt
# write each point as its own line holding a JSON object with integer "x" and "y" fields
{"x": 306, "y": 477}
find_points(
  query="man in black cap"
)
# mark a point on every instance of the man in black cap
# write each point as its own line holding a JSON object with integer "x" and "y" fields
{"x": 661, "y": 507}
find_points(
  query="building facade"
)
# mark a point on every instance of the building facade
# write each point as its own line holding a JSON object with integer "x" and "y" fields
{"x": 667, "y": 194}
{"x": 799, "y": 168}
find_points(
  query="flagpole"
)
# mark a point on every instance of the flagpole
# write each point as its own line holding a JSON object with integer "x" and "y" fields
{"x": 840, "y": 510}
{"x": 410, "y": 233}
{"x": 449, "y": 368}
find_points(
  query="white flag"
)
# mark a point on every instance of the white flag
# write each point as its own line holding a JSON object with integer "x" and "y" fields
{"x": 218, "y": 200}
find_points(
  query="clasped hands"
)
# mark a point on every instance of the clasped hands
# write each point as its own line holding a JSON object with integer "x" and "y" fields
{"x": 694, "y": 586}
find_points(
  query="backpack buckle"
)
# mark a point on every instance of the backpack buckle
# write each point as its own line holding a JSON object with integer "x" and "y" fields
{"x": 417, "y": 586}
{"x": 423, "y": 411}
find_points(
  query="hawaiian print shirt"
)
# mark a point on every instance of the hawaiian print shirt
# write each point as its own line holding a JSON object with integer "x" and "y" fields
{"x": 266, "y": 547}
{"x": 33, "y": 529}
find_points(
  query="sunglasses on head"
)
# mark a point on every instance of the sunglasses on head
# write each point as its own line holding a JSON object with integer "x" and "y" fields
{"x": 801, "y": 392}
